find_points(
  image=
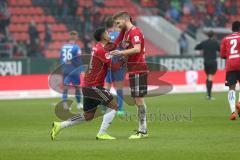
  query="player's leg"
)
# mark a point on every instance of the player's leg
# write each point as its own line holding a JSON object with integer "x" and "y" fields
{"x": 66, "y": 82}
{"x": 89, "y": 108}
{"x": 76, "y": 82}
{"x": 119, "y": 89}
{"x": 231, "y": 81}
{"x": 107, "y": 100}
{"x": 211, "y": 69}
{"x": 238, "y": 103}
{"x": 108, "y": 80}
{"x": 209, "y": 83}
{"x": 138, "y": 84}
{"x": 77, "y": 119}
{"x": 207, "y": 69}
{"x": 118, "y": 78}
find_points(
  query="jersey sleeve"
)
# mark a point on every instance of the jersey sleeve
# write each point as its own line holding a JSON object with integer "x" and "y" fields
{"x": 223, "y": 50}
{"x": 135, "y": 37}
{"x": 199, "y": 46}
{"x": 79, "y": 51}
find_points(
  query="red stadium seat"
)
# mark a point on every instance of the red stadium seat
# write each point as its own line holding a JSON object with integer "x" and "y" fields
{"x": 41, "y": 28}
{"x": 49, "y": 19}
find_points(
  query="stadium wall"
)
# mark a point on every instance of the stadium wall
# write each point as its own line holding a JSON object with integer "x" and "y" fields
{"x": 37, "y": 86}
{"x": 28, "y": 78}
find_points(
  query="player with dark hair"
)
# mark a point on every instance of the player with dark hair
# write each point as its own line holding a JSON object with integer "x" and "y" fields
{"x": 115, "y": 77}
{"x": 70, "y": 61}
{"x": 93, "y": 92}
{"x": 230, "y": 50}
{"x": 132, "y": 40}
{"x": 210, "y": 47}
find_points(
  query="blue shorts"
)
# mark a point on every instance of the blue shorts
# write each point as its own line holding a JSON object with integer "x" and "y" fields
{"x": 115, "y": 76}
{"x": 73, "y": 78}
{"x": 71, "y": 74}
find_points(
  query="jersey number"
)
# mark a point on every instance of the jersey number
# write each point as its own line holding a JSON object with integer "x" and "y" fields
{"x": 233, "y": 43}
{"x": 67, "y": 55}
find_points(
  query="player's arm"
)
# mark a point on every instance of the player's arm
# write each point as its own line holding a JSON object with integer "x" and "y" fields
{"x": 199, "y": 46}
{"x": 119, "y": 38}
{"x": 136, "y": 49}
{"x": 135, "y": 40}
{"x": 223, "y": 50}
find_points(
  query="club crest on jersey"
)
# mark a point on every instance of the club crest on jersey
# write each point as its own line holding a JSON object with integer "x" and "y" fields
{"x": 125, "y": 44}
{"x": 108, "y": 56}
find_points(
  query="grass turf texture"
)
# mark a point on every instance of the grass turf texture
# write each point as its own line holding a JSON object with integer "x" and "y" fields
{"x": 25, "y": 128}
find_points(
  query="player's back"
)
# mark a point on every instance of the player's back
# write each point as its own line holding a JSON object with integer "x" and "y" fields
{"x": 98, "y": 67}
{"x": 69, "y": 57}
{"x": 230, "y": 49}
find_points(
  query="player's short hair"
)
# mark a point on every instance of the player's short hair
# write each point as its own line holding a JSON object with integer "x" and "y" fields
{"x": 122, "y": 14}
{"x": 109, "y": 22}
{"x": 73, "y": 33}
{"x": 210, "y": 34}
{"x": 98, "y": 33}
{"x": 236, "y": 26}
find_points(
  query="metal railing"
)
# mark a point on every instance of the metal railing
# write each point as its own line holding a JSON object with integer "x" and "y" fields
{"x": 6, "y": 50}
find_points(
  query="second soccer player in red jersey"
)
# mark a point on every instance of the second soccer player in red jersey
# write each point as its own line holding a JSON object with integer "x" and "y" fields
{"x": 93, "y": 92}
{"x": 132, "y": 40}
{"x": 230, "y": 50}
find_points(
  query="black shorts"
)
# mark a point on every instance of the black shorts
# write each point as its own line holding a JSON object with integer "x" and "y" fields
{"x": 138, "y": 84}
{"x": 93, "y": 96}
{"x": 232, "y": 77}
{"x": 210, "y": 67}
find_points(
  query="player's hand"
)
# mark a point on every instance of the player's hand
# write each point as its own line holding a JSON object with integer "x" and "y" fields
{"x": 116, "y": 53}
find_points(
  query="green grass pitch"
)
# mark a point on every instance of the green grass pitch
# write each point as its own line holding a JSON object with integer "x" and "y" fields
{"x": 181, "y": 126}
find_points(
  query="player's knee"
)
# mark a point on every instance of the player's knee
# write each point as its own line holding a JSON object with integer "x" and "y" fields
{"x": 232, "y": 87}
{"x": 139, "y": 101}
{"x": 113, "y": 105}
{"x": 88, "y": 116}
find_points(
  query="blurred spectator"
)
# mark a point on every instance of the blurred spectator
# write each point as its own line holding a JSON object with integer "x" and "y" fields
{"x": 73, "y": 6}
{"x": 222, "y": 20}
{"x": 19, "y": 49}
{"x": 210, "y": 8}
{"x": 87, "y": 43}
{"x": 225, "y": 7}
{"x": 192, "y": 28}
{"x": 208, "y": 22}
{"x": 59, "y": 7}
{"x": 87, "y": 18}
{"x": 35, "y": 50}
{"x": 98, "y": 3}
{"x": 33, "y": 33}
{"x": 233, "y": 8}
{"x": 48, "y": 35}
{"x": 4, "y": 18}
{"x": 163, "y": 6}
{"x": 64, "y": 8}
{"x": 188, "y": 8}
{"x": 183, "y": 43}
{"x": 97, "y": 18}
{"x": 174, "y": 14}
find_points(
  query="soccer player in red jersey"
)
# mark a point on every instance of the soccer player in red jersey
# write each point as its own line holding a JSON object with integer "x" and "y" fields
{"x": 93, "y": 92}
{"x": 132, "y": 40}
{"x": 230, "y": 50}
